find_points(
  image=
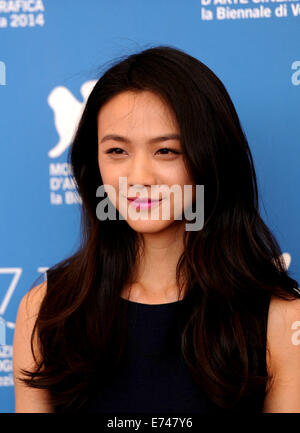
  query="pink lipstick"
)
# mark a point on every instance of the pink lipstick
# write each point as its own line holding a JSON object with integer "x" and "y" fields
{"x": 142, "y": 203}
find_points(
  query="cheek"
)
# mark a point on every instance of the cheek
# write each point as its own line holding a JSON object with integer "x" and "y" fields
{"x": 108, "y": 173}
{"x": 179, "y": 177}
{"x": 186, "y": 193}
{"x": 109, "y": 176}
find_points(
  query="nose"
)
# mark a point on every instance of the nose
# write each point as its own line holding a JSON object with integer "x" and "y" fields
{"x": 140, "y": 172}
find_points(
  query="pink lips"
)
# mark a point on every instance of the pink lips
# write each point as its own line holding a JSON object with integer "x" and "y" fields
{"x": 142, "y": 203}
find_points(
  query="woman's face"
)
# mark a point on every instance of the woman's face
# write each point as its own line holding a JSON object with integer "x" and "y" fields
{"x": 132, "y": 139}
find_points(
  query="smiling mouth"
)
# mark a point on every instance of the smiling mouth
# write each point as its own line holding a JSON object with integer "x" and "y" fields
{"x": 143, "y": 203}
{"x": 143, "y": 200}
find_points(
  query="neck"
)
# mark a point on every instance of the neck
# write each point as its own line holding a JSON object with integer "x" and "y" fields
{"x": 155, "y": 276}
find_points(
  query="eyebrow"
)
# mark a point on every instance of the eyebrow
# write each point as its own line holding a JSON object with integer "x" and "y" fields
{"x": 152, "y": 140}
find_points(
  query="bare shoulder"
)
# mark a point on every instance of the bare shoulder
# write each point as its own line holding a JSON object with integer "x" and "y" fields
{"x": 28, "y": 399}
{"x": 283, "y": 333}
{"x": 283, "y": 356}
{"x": 34, "y": 297}
{"x": 29, "y": 308}
{"x": 32, "y": 300}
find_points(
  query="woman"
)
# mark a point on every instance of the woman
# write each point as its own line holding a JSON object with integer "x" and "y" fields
{"x": 148, "y": 315}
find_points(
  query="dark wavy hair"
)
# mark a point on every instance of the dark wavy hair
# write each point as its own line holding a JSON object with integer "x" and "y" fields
{"x": 231, "y": 267}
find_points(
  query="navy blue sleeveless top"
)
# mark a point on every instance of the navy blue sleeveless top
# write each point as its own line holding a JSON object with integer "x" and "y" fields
{"x": 153, "y": 376}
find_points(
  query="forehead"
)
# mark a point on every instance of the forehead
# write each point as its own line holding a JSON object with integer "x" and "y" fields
{"x": 134, "y": 110}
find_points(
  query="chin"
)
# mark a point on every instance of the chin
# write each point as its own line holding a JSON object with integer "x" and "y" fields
{"x": 149, "y": 226}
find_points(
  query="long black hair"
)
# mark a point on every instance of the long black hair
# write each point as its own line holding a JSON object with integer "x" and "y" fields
{"x": 231, "y": 267}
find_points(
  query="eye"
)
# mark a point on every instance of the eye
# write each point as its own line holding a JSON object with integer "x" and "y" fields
{"x": 113, "y": 149}
{"x": 118, "y": 151}
{"x": 169, "y": 150}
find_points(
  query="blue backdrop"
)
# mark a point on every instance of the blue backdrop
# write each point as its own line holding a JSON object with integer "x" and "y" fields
{"x": 50, "y": 52}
